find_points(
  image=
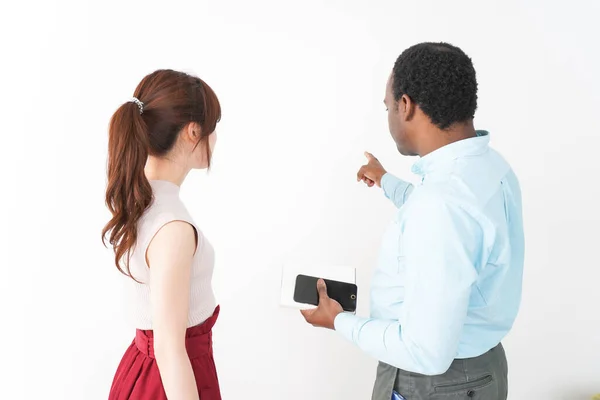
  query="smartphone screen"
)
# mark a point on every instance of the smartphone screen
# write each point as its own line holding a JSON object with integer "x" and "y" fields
{"x": 344, "y": 293}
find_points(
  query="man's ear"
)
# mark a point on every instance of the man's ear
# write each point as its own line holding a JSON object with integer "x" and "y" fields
{"x": 407, "y": 107}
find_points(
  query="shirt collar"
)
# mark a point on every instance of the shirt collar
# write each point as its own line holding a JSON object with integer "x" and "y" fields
{"x": 452, "y": 151}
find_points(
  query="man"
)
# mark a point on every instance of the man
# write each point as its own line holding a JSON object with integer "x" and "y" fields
{"x": 447, "y": 285}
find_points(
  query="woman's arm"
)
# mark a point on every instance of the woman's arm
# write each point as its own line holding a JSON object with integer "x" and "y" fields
{"x": 170, "y": 257}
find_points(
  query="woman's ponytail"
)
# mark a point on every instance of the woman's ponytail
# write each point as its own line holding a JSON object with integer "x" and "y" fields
{"x": 128, "y": 192}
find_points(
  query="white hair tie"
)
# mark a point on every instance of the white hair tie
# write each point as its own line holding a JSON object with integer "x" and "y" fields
{"x": 139, "y": 104}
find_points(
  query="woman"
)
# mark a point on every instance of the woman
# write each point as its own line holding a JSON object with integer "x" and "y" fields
{"x": 165, "y": 131}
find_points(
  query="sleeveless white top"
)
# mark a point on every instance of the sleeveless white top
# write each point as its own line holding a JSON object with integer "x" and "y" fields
{"x": 167, "y": 207}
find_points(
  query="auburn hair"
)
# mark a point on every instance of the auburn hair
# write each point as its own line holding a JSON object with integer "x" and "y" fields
{"x": 171, "y": 100}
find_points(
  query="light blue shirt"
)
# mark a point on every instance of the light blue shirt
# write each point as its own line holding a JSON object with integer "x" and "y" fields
{"x": 448, "y": 280}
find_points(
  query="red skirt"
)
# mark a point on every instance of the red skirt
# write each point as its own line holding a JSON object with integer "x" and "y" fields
{"x": 137, "y": 377}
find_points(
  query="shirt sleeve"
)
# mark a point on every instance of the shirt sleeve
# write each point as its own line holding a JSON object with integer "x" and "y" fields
{"x": 396, "y": 189}
{"x": 439, "y": 245}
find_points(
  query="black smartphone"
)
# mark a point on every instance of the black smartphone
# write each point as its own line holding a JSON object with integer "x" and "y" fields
{"x": 342, "y": 292}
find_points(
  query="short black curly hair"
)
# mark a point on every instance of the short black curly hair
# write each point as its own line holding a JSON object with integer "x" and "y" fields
{"x": 440, "y": 79}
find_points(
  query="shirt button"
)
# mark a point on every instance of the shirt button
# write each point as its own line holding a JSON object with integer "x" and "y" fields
{"x": 471, "y": 393}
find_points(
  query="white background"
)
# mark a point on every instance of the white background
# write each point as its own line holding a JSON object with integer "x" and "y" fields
{"x": 301, "y": 85}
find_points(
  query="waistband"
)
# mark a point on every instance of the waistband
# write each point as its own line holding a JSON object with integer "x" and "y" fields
{"x": 198, "y": 339}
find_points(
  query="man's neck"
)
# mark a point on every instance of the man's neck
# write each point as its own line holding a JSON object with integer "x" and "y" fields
{"x": 436, "y": 138}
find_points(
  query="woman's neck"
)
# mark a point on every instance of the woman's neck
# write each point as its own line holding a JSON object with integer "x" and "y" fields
{"x": 163, "y": 169}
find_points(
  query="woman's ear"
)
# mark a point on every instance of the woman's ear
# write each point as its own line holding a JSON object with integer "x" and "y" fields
{"x": 192, "y": 133}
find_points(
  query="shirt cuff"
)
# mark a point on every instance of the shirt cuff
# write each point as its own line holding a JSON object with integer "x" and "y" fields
{"x": 389, "y": 183}
{"x": 344, "y": 324}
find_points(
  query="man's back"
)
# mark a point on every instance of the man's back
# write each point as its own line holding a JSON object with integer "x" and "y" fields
{"x": 485, "y": 187}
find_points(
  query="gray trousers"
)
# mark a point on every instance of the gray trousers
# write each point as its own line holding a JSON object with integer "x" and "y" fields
{"x": 483, "y": 377}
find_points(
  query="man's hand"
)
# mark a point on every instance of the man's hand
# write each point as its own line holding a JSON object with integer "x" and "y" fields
{"x": 372, "y": 172}
{"x": 324, "y": 315}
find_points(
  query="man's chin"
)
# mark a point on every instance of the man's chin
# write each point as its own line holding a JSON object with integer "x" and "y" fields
{"x": 404, "y": 151}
